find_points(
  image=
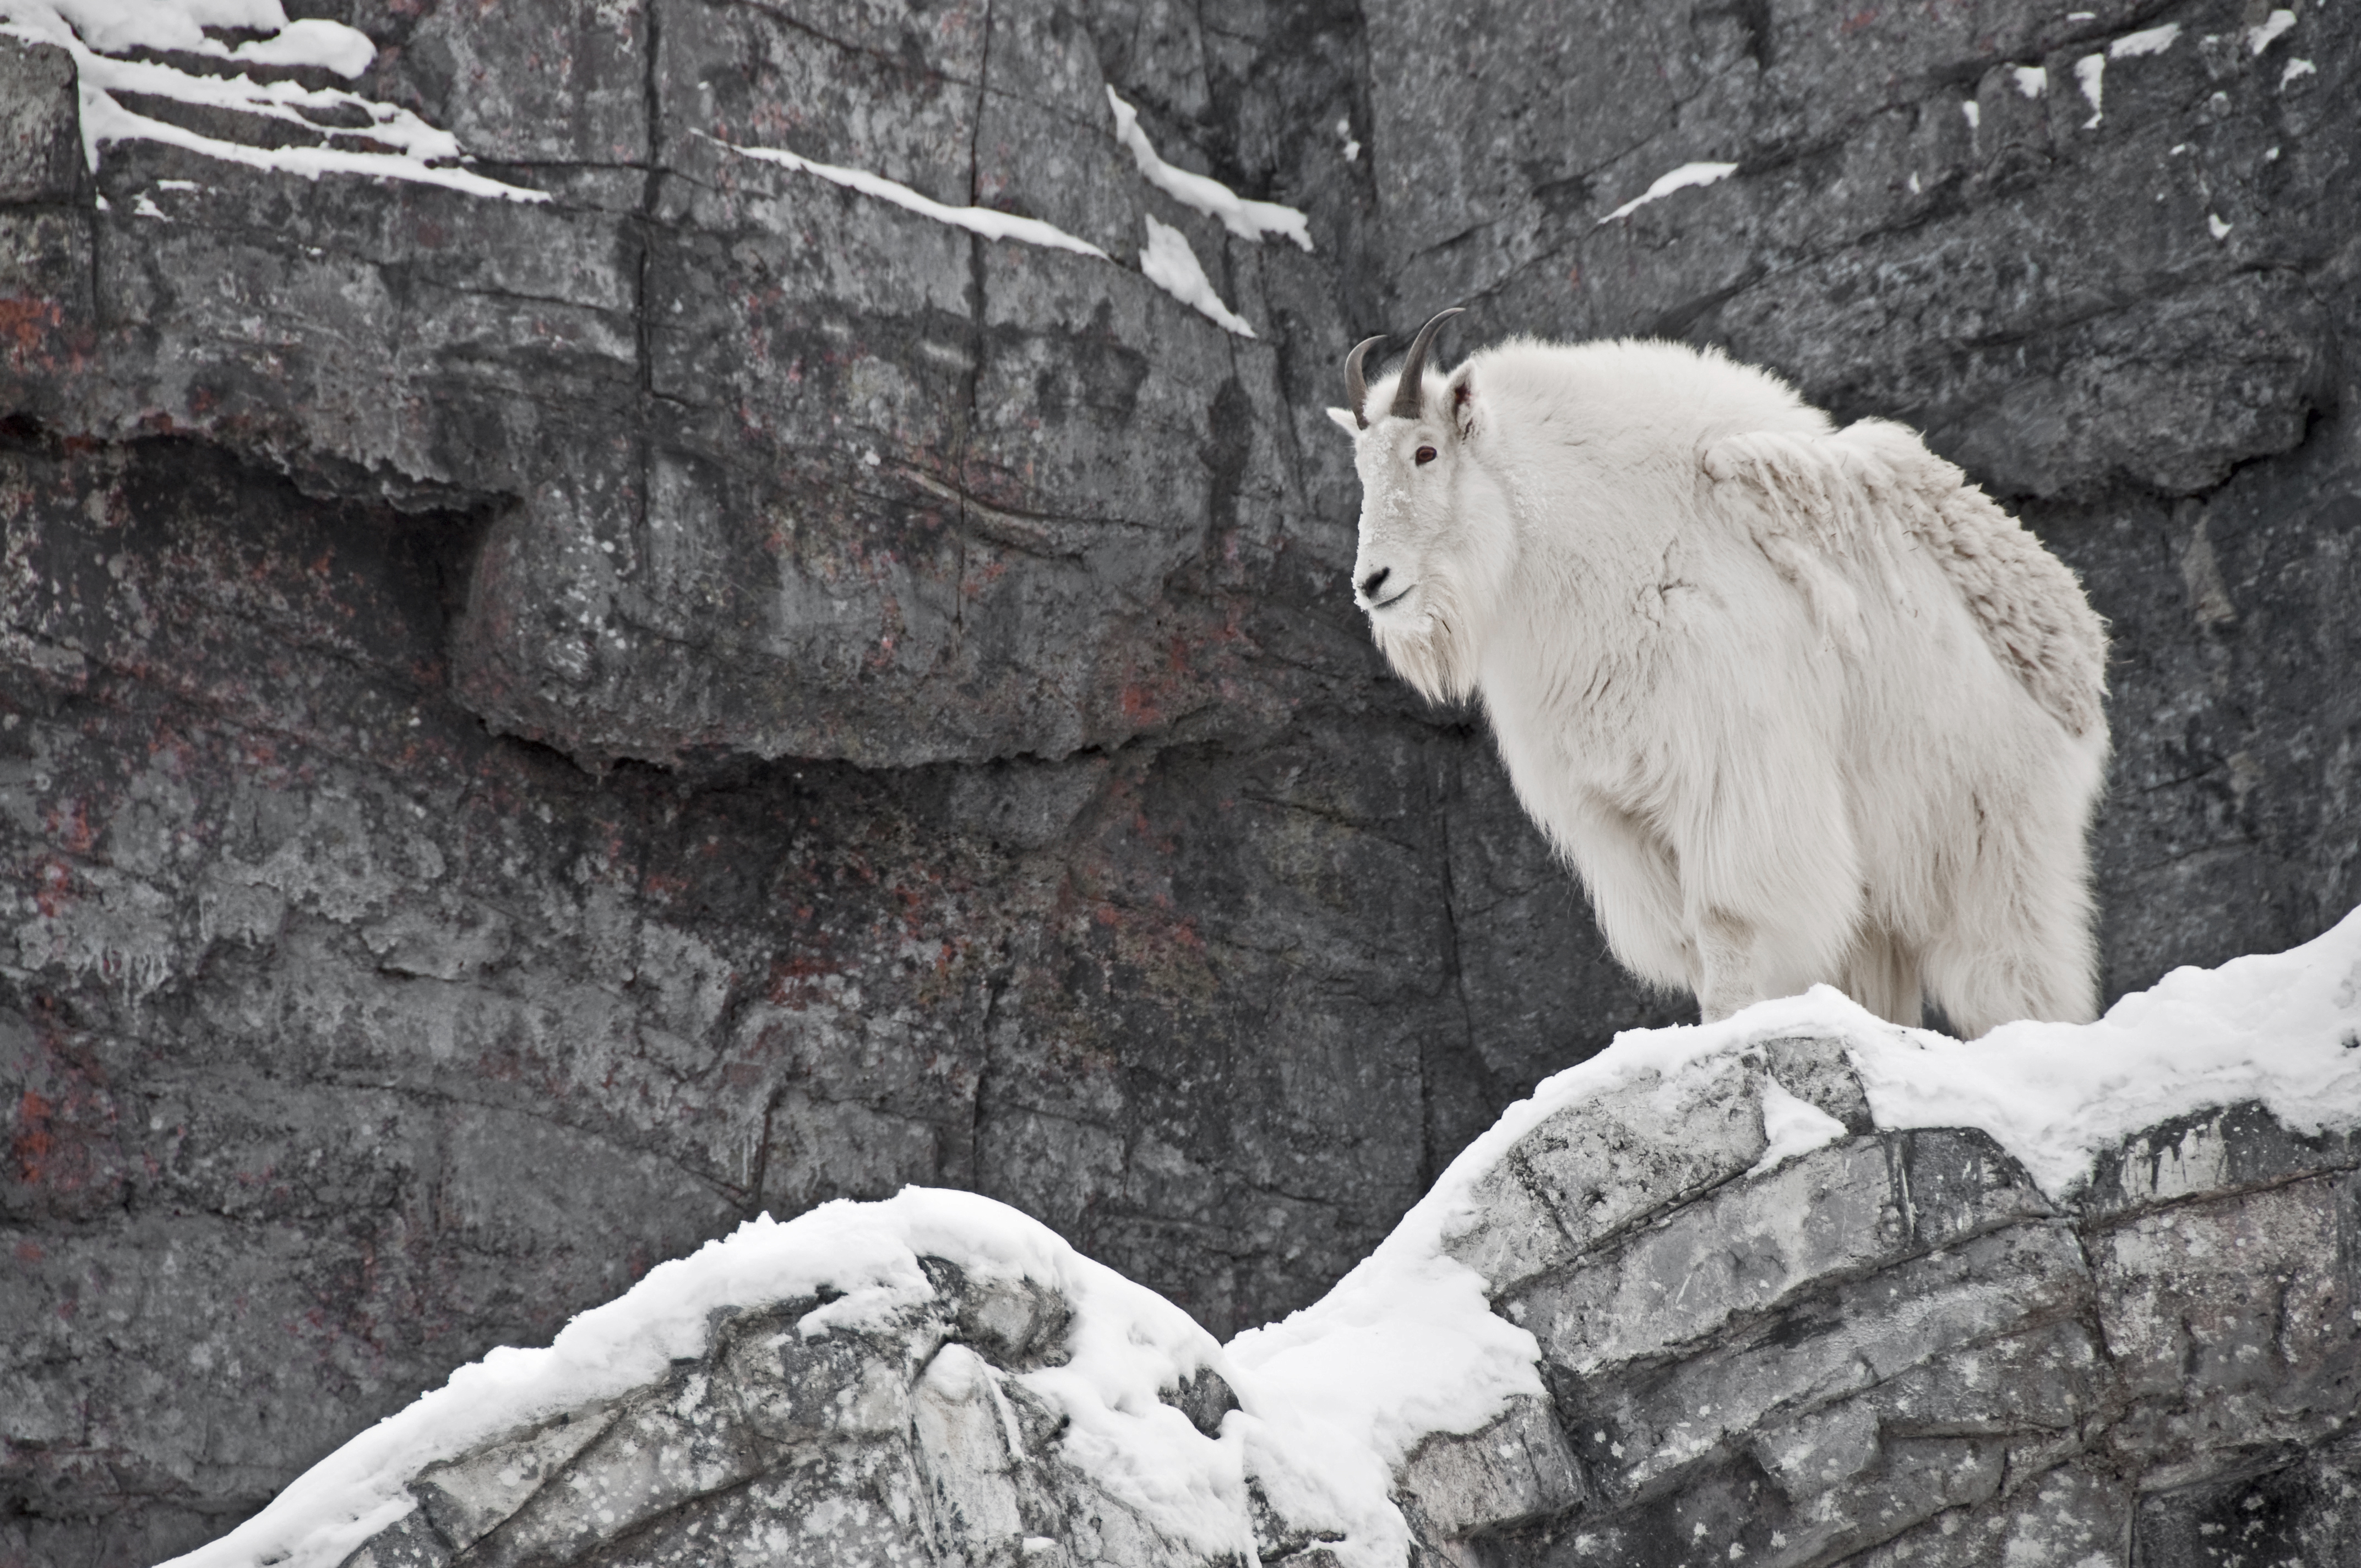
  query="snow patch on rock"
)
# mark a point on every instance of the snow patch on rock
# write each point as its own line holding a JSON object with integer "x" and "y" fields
{"x": 96, "y": 31}
{"x": 2283, "y": 1029}
{"x": 1247, "y": 219}
{"x": 1169, "y": 264}
{"x": 1793, "y": 1127}
{"x": 1166, "y": 260}
{"x": 2267, "y": 33}
{"x": 1680, "y": 178}
{"x": 1126, "y": 1344}
{"x": 2148, "y": 40}
{"x": 2091, "y": 75}
{"x": 312, "y": 41}
{"x": 985, "y": 221}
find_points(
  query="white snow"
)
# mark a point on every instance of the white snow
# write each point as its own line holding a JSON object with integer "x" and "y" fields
{"x": 1974, "y": 112}
{"x": 114, "y": 26}
{"x": 2282, "y": 1028}
{"x": 1247, "y": 220}
{"x": 2032, "y": 81}
{"x": 2091, "y": 75}
{"x": 94, "y": 31}
{"x": 2215, "y": 226}
{"x": 1404, "y": 1345}
{"x": 975, "y": 220}
{"x": 1793, "y": 1126}
{"x": 2295, "y": 68}
{"x": 1127, "y": 1343}
{"x": 1680, "y": 178}
{"x": 1344, "y": 134}
{"x": 1334, "y": 1398}
{"x": 2149, "y": 40}
{"x": 1169, "y": 264}
{"x": 312, "y": 41}
{"x": 2259, "y": 39}
{"x": 1167, "y": 260}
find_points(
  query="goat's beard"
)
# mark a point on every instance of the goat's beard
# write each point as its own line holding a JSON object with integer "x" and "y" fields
{"x": 1435, "y": 654}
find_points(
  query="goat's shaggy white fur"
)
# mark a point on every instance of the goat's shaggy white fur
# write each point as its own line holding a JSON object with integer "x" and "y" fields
{"x": 1799, "y": 704}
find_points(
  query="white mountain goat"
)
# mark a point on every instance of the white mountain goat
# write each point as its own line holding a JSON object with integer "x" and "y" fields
{"x": 1799, "y": 704}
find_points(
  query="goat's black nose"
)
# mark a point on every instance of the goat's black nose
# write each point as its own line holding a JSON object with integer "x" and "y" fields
{"x": 1374, "y": 581}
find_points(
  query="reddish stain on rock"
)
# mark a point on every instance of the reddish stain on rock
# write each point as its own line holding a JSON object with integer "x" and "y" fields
{"x": 34, "y": 1143}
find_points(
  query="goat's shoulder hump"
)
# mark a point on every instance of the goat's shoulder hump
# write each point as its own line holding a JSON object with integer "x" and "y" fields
{"x": 1647, "y": 380}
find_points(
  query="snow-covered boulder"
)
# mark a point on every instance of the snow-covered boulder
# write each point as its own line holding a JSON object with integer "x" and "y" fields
{"x": 1799, "y": 1287}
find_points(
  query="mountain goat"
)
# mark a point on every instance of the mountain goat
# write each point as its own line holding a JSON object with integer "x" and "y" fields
{"x": 1799, "y": 704}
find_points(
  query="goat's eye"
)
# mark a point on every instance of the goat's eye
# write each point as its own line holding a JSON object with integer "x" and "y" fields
{"x": 1427, "y": 455}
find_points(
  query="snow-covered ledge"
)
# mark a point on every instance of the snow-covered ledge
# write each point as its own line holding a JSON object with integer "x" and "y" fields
{"x": 1792, "y": 1288}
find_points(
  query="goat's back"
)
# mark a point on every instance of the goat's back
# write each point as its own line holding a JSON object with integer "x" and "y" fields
{"x": 1852, "y": 498}
{"x": 1632, "y": 399}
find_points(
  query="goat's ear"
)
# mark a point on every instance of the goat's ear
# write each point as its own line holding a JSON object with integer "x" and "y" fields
{"x": 1459, "y": 393}
{"x": 1346, "y": 423}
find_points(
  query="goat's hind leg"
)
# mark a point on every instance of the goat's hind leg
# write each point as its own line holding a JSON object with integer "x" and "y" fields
{"x": 1881, "y": 974}
{"x": 2019, "y": 944}
{"x": 1727, "y": 971}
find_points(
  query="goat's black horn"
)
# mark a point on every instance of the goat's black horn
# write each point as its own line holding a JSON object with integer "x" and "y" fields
{"x": 1355, "y": 385}
{"x": 1409, "y": 392}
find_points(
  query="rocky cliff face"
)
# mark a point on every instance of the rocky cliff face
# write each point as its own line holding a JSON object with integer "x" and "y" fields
{"x": 1774, "y": 1319}
{"x": 535, "y": 729}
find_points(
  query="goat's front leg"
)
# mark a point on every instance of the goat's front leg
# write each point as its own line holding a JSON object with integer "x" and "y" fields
{"x": 1727, "y": 965}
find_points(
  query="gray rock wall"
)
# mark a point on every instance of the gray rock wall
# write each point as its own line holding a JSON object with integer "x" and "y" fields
{"x": 1897, "y": 1350}
{"x": 497, "y": 785}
